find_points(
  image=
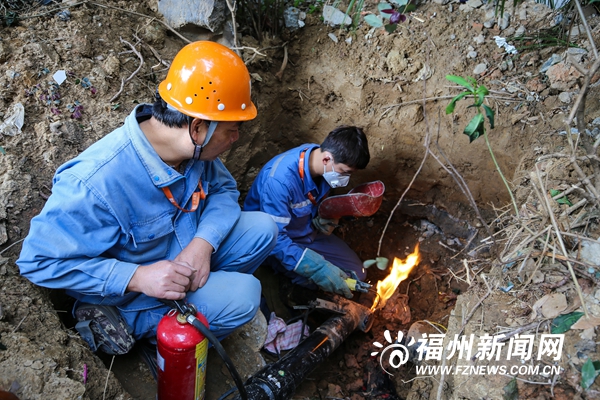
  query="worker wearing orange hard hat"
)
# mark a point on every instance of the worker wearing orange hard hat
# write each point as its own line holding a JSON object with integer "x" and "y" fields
{"x": 150, "y": 213}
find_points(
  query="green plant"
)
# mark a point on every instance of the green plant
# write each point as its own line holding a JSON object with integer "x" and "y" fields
{"x": 388, "y": 12}
{"x": 476, "y": 127}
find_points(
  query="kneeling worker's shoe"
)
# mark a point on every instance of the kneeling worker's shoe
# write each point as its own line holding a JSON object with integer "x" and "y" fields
{"x": 103, "y": 328}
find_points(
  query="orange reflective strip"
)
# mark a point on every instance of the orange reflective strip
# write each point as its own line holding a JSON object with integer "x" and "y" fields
{"x": 301, "y": 172}
{"x": 196, "y": 197}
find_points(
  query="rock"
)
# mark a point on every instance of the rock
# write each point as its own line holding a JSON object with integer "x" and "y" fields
{"x": 332, "y": 37}
{"x": 522, "y": 14}
{"x": 565, "y": 97}
{"x": 350, "y": 361}
{"x": 472, "y": 54}
{"x": 554, "y": 59}
{"x": 4, "y": 51}
{"x": 209, "y": 14}
{"x": 334, "y": 17}
{"x": 474, "y": 3}
{"x": 396, "y": 61}
{"x": 562, "y": 77}
{"x": 489, "y": 23}
{"x": 111, "y": 65}
{"x": 504, "y": 21}
{"x": 480, "y": 69}
{"x": 479, "y": 39}
{"x": 3, "y": 234}
{"x": 575, "y": 54}
{"x": 291, "y": 17}
{"x": 520, "y": 31}
{"x": 442, "y": 2}
{"x": 590, "y": 252}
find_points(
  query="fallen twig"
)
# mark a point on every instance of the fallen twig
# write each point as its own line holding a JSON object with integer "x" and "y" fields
{"x": 107, "y": 376}
{"x": 279, "y": 74}
{"x": 123, "y": 82}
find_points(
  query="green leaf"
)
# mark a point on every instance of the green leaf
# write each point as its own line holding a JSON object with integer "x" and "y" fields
{"x": 475, "y": 127}
{"x": 479, "y": 101}
{"x": 563, "y": 323}
{"x": 390, "y": 28}
{"x": 562, "y": 200}
{"x": 589, "y": 372}
{"x": 373, "y": 20}
{"x": 483, "y": 90}
{"x": 452, "y": 104}
{"x": 511, "y": 391}
{"x": 489, "y": 113}
{"x": 384, "y": 6}
{"x": 460, "y": 81}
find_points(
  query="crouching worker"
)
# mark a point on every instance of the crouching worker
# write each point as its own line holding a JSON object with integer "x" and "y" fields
{"x": 289, "y": 188}
{"x": 149, "y": 212}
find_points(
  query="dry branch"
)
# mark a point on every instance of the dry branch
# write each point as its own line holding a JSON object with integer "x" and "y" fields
{"x": 123, "y": 82}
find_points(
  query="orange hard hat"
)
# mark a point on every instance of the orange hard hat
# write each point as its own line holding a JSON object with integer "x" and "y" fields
{"x": 209, "y": 81}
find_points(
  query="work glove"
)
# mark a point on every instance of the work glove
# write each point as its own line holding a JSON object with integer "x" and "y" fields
{"x": 323, "y": 273}
{"x": 325, "y": 225}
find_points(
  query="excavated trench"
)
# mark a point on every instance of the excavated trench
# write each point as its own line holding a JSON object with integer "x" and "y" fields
{"x": 428, "y": 294}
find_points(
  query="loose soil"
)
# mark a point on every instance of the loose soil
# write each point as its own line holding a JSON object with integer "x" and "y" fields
{"x": 367, "y": 78}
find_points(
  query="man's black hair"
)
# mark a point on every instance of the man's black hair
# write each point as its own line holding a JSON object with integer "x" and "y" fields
{"x": 348, "y": 145}
{"x": 168, "y": 116}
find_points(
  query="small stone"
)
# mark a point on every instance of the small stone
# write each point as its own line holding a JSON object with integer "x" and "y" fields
{"x": 565, "y": 97}
{"x": 472, "y": 54}
{"x": 596, "y": 121}
{"x": 489, "y": 23}
{"x": 520, "y": 31}
{"x": 332, "y": 16}
{"x": 452, "y": 37}
{"x": 504, "y": 22}
{"x": 479, "y": 39}
{"x": 474, "y": 3}
{"x": 480, "y": 69}
{"x": 332, "y": 37}
{"x": 522, "y": 14}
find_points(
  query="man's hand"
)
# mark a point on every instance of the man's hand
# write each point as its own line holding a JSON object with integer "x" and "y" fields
{"x": 324, "y": 225}
{"x": 163, "y": 280}
{"x": 197, "y": 255}
{"x": 323, "y": 273}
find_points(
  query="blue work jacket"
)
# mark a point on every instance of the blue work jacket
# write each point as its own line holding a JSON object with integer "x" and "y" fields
{"x": 280, "y": 192}
{"x": 108, "y": 214}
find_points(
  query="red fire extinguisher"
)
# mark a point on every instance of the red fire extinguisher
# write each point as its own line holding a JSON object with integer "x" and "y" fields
{"x": 181, "y": 357}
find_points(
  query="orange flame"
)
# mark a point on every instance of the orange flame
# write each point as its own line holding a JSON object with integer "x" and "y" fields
{"x": 400, "y": 271}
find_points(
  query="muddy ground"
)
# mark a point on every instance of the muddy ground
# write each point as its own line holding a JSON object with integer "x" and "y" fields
{"x": 367, "y": 78}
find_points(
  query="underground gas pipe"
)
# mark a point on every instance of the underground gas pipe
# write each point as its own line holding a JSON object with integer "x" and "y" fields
{"x": 280, "y": 380}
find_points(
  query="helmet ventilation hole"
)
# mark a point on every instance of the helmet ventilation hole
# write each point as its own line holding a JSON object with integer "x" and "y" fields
{"x": 243, "y": 106}
{"x": 188, "y": 100}
{"x": 221, "y": 107}
{"x": 169, "y": 86}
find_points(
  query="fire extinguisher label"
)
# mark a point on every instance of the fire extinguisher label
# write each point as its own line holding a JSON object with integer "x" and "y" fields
{"x": 160, "y": 361}
{"x": 201, "y": 353}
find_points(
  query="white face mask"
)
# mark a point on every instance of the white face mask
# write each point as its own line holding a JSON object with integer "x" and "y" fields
{"x": 335, "y": 179}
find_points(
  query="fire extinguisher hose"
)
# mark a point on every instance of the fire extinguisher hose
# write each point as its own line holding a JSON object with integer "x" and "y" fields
{"x": 196, "y": 323}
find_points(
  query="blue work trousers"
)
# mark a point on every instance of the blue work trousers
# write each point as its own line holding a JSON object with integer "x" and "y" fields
{"x": 332, "y": 248}
{"x": 231, "y": 295}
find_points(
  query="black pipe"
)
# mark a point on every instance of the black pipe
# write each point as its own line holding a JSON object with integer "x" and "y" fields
{"x": 280, "y": 380}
